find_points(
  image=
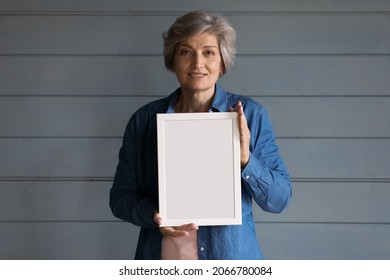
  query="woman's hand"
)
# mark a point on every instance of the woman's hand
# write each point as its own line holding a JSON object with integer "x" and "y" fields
{"x": 173, "y": 231}
{"x": 245, "y": 134}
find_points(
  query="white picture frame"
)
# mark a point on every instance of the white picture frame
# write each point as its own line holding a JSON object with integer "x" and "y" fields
{"x": 199, "y": 170}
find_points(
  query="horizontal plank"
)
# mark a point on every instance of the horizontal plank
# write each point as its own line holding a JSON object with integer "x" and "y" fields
{"x": 290, "y": 34}
{"x": 118, "y": 241}
{"x": 59, "y": 157}
{"x": 107, "y": 116}
{"x": 63, "y": 241}
{"x": 310, "y": 75}
{"x": 334, "y": 203}
{"x": 67, "y": 117}
{"x": 336, "y": 158}
{"x": 55, "y": 201}
{"x": 85, "y": 75}
{"x": 146, "y": 75}
{"x": 97, "y": 157}
{"x": 87, "y": 201}
{"x": 329, "y": 117}
{"x": 325, "y": 241}
{"x": 177, "y": 5}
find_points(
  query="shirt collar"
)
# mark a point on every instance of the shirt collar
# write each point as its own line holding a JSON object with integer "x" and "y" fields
{"x": 220, "y": 100}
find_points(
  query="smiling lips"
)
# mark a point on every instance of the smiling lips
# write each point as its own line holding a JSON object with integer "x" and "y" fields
{"x": 197, "y": 75}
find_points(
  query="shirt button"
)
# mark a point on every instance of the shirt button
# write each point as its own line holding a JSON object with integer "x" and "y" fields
{"x": 201, "y": 249}
{"x": 247, "y": 177}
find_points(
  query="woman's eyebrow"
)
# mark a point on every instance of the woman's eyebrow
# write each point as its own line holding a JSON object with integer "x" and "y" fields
{"x": 211, "y": 46}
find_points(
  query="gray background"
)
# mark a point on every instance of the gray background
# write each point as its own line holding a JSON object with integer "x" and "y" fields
{"x": 72, "y": 73}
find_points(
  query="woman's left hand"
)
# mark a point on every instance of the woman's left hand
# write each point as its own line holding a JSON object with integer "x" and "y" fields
{"x": 245, "y": 134}
{"x": 173, "y": 231}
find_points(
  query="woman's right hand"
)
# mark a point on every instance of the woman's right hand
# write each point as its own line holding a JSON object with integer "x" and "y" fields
{"x": 173, "y": 231}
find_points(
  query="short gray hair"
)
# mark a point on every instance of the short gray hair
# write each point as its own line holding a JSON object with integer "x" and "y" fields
{"x": 195, "y": 23}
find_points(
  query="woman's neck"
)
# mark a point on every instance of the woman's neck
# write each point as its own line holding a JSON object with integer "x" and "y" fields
{"x": 193, "y": 102}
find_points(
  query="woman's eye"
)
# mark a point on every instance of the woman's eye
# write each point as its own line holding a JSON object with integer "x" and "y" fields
{"x": 210, "y": 53}
{"x": 185, "y": 52}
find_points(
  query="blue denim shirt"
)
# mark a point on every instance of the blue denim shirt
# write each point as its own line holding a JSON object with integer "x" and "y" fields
{"x": 134, "y": 194}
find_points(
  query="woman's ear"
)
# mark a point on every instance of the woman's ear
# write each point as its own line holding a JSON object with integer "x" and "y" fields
{"x": 221, "y": 70}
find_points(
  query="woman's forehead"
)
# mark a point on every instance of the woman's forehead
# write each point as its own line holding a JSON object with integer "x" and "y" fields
{"x": 204, "y": 40}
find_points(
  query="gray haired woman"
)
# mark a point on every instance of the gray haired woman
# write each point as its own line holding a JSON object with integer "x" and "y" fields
{"x": 199, "y": 48}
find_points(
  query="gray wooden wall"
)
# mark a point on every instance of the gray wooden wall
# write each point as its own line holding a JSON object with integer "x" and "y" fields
{"x": 72, "y": 73}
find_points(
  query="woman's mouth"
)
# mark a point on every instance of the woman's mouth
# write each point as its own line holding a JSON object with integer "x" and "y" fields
{"x": 197, "y": 75}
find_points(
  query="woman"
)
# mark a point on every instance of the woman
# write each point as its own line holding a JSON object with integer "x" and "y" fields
{"x": 199, "y": 48}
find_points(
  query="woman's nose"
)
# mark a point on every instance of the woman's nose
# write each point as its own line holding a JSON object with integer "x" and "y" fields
{"x": 198, "y": 61}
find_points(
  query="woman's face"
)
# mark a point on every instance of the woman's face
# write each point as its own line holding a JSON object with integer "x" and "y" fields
{"x": 198, "y": 63}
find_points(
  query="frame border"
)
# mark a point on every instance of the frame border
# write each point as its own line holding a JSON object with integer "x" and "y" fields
{"x": 236, "y": 184}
